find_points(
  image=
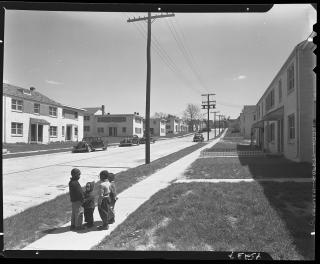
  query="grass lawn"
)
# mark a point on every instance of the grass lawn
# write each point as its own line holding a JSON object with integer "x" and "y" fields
{"x": 273, "y": 217}
{"x": 21, "y": 147}
{"x": 247, "y": 167}
{"x": 31, "y": 224}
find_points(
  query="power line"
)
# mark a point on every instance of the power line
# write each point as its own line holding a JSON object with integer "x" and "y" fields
{"x": 186, "y": 53}
{"x": 166, "y": 59}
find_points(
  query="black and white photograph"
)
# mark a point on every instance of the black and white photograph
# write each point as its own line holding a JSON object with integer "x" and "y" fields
{"x": 159, "y": 129}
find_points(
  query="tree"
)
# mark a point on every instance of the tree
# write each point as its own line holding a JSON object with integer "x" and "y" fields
{"x": 192, "y": 114}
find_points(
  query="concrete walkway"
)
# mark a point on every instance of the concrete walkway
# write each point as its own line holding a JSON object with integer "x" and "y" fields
{"x": 129, "y": 200}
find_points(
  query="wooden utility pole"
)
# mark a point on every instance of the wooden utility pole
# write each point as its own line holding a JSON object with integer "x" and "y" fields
{"x": 207, "y": 105}
{"x": 147, "y": 128}
{"x": 214, "y": 122}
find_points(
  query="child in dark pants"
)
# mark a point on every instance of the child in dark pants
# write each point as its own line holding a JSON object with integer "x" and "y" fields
{"x": 113, "y": 191}
{"x": 89, "y": 204}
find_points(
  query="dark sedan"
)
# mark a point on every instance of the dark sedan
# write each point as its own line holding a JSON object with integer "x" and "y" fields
{"x": 89, "y": 144}
{"x": 129, "y": 141}
{"x": 143, "y": 140}
{"x": 198, "y": 137}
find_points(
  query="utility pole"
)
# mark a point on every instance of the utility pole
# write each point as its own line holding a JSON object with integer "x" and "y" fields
{"x": 215, "y": 124}
{"x": 219, "y": 123}
{"x": 207, "y": 105}
{"x": 147, "y": 129}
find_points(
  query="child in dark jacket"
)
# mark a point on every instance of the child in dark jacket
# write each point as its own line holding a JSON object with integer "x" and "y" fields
{"x": 89, "y": 204}
{"x": 76, "y": 198}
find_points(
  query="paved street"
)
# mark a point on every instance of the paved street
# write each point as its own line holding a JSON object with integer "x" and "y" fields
{"x": 29, "y": 181}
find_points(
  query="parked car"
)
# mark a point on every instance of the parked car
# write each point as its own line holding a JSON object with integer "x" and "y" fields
{"x": 89, "y": 144}
{"x": 205, "y": 129}
{"x": 130, "y": 141}
{"x": 143, "y": 140}
{"x": 198, "y": 137}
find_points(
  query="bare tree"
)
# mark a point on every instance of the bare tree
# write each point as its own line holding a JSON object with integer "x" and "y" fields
{"x": 192, "y": 114}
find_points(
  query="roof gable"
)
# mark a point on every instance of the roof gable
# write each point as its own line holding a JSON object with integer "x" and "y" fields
{"x": 16, "y": 91}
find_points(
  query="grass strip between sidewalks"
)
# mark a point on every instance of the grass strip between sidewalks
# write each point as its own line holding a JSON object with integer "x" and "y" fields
{"x": 247, "y": 167}
{"x": 270, "y": 217}
{"x": 24, "y": 228}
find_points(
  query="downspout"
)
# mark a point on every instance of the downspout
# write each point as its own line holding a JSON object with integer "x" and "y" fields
{"x": 298, "y": 104}
{"x": 5, "y": 120}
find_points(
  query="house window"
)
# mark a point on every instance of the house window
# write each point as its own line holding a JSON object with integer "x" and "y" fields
{"x": 272, "y": 132}
{"x": 100, "y": 130}
{"x": 270, "y": 100}
{"x": 36, "y": 108}
{"x": 76, "y": 131}
{"x": 138, "y": 120}
{"x": 86, "y": 118}
{"x": 16, "y": 105}
{"x": 53, "y": 131}
{"x": 254, "y": 117}
{"x": 53, "y": 111}
{"x": 86, "y": 128}
{"x": 63, "y": 131}
{"x": 16, "y": 129}
{"x": 76, "y": 115}
{"x": 137, "y": 130}
{"x": 291, "y": 127}
{"x": 168, "y": 127}
{"x": 124, "y": 130}
{"x": 162, "y": 130}
{"x": 280, "y": 91}
{"x": 290, "y": 78}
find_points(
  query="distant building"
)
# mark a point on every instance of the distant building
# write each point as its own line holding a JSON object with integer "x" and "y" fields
{"x": 158, "y": 127}
{"x": 286, "y": 111}
{"x": 97, "y": 123}
{"x": 172, "y": 125}
{"x": 247, "y": 118}
{"x": 31, "y": 117}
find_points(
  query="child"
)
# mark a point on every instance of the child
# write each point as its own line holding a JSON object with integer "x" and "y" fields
{"x": 113, "y": 191}
{"x": 89, "y": 204}
{"x": 76, "y": 197}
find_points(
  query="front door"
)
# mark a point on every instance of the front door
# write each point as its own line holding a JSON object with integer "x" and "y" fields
{"x": 33, "y": 133}
{"x": 280, "y": 136}
{"x": 40, "y": 133}
{"x": 68, "y": 133}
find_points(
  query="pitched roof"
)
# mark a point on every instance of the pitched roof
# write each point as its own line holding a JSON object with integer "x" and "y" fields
{"x": 92, "y": 110}
{"x": 16, "y": 91}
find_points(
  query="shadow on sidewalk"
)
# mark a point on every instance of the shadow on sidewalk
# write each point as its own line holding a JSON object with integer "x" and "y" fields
{"x": 60, "y": 230}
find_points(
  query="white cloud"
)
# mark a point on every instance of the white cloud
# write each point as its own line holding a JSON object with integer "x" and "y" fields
{"x": 240, "y": 77}
{"x": 53, "y": 82}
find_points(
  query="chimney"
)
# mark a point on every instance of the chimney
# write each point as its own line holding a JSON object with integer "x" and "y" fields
{"x": 32, "y": 88}
{"x": 102, "y": 109}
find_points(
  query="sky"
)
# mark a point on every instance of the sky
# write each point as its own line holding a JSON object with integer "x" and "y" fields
{"x": 89, "y": 59}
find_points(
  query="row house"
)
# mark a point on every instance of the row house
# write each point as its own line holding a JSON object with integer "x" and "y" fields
{"x": 247, "y": 118}
{"x": 172, "y": 124}
{"x": 158, "y": 127}
{"x": 286, "y": 111}
{"x": 97, "y": 123}
{"x": 30, "y": 117}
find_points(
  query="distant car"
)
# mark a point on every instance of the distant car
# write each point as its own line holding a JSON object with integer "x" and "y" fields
{"x": 198, "y": 137}
{"x": 143, "y": 140}
{"x": 89, "y": 144}
{"x": 205, "y": 130}
{"x": 130, "y": 141}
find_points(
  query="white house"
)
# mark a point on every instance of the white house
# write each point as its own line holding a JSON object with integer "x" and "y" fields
{"x": 31, "y": 117}
{"x": 247, "y": 118}
{"x": 158, "y": 127}
{"x": 97, "y": 123}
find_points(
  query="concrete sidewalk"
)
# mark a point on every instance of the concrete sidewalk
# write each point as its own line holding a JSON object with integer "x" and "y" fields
{"x": 129, "y": 200}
